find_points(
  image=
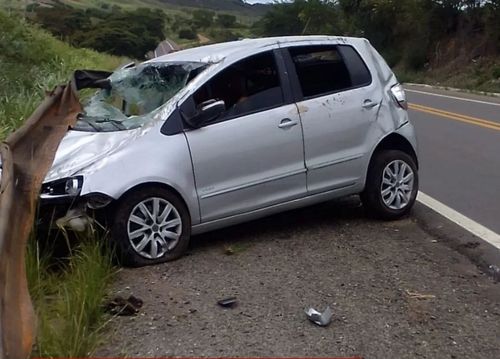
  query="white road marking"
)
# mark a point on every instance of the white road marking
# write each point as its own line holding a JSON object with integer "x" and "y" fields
{"x": 468, "y": 224}
{"x": 454, "y": 97}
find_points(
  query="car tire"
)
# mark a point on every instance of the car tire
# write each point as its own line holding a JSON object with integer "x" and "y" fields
{"x": 391, "y": 185}
{"x": 150, "y": 225}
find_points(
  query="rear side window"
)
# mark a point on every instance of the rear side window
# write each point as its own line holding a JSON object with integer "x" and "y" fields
{"x": 360, "y": 75}
{"x": 323, "y": 69}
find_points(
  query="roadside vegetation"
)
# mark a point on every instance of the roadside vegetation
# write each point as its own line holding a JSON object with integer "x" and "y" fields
{"x": 67, "y": 292}
{"x": 452, "y": 42}
{"x": 133, "y": 32}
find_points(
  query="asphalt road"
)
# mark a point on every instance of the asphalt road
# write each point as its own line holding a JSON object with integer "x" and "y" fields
{"x": 165, "y": 47}
{"x": 403, "y": 289}
{"x": 396, "y": 289}
{"x": 459, "y": 150}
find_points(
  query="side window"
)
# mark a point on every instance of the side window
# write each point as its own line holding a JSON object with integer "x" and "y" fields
{"x": 360, "y": 75}
{"x": 248, "y": 86}
{"x": 322, "y": 69}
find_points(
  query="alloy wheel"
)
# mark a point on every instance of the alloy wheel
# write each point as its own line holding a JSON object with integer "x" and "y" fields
{"x": 397, "y": 184}
{"x": 154, "y": 227}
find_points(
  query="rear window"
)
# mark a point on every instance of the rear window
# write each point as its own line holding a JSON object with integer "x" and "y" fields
{"x": 327, "y": 69}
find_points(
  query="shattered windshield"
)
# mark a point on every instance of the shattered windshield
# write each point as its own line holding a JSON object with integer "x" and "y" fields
{"x": 132, "y": 95}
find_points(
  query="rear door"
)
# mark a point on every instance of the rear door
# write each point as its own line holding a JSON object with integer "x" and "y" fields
{"x": 338, "y": 104}
{"x": 253, "y": 155}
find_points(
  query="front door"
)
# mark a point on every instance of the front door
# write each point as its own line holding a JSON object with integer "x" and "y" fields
{"x": 252, "y": 156}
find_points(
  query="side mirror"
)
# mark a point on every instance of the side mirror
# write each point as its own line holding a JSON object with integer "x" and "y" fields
{"x": 206, "y": 112}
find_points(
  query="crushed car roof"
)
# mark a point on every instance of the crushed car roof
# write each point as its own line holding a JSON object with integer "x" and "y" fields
{"x": 244, "y": 47}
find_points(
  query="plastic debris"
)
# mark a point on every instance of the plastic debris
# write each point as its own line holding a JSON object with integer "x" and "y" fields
{"x": 318, "y": 318}
{"x": 227, "y": 302}
{"x": 75, "y": 219}
{"x": 417, "y": 295}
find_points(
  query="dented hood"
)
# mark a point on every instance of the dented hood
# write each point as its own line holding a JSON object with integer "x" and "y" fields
{"x": 82, "y": 152}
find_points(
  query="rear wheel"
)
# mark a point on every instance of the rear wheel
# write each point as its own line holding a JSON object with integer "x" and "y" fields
{"x": 151, "y": 225}
{"x": 391, "y": 185}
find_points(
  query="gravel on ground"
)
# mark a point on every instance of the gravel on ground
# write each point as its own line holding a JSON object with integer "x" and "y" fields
{"x": 396, "y": 291}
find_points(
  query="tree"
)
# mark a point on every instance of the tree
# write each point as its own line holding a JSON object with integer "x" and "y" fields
{"x": 188, "y": 34}
{"x": 203, "y": 18}
{"x": 130, "y": 34}
{"x": 300, "y": 17}
{"x": 225, "y": 20}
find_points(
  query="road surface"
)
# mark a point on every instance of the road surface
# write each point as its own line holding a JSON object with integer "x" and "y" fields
{"x": 395, "y": 290}
{"x": 459, "y": 149}
{"x": 401, "y": 289}
{"x": 165, "y": 47}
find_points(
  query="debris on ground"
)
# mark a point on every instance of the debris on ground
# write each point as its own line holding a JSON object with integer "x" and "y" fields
{"x": 318, "y": 318}
{"x": 124, "y": 307}
{"x": 494, "y": 272}
{"x": 234, "y": 249}
{"x": 416, "y": 295}
{"x": 228, "y": 302}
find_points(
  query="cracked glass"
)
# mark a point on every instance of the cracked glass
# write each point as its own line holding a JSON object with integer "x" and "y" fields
{"x": 134, "y": 95}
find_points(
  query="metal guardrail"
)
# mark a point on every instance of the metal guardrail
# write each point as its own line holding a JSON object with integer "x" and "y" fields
{"x": 27, "y": 155}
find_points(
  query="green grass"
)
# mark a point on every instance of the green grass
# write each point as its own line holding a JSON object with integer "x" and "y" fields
{"x": 68, "y": 298}
{"x": 479, "y": 76}
{"x": 68, "y": 293}
{"x": 31, "y": 62}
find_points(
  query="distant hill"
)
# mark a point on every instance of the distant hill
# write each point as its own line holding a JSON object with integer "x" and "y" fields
{"x": 234, "y": 6}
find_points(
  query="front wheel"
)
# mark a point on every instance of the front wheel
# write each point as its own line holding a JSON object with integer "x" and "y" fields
{"x": 391, "y": 185}
{"x": 151, "y": 225}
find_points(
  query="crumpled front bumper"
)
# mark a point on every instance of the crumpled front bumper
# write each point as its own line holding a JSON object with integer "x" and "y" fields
{"x": 72, "y": 213}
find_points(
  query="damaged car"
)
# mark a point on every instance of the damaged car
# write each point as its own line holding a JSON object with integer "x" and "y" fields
{"x": 221, "y": 134}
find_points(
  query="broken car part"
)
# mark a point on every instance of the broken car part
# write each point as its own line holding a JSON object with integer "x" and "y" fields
{"x": 228, "y": 302}
{"x": 321, "y": 319}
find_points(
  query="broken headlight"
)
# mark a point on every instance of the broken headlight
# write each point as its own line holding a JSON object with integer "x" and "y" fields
{"x": 66, "y": 187}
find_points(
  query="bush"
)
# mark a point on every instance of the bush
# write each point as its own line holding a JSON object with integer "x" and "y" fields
{"x": 495, "y": 72}
{"x": 225, "y": 20}
{"x": 188, "y": 34}
{"x": 223, "y": 35}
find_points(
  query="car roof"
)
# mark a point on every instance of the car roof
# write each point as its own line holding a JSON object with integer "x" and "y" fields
{"x": 242, "y": 48}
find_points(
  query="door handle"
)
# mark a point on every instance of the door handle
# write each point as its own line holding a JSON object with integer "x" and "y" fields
{"x": 287, "y": 123}
{"x": 368, "y": 104}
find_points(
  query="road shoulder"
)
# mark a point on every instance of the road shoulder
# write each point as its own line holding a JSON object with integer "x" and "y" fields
{"x": 397, "y": 290}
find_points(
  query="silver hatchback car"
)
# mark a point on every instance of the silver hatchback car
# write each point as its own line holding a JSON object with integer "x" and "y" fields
{"x": 216, "y": 135}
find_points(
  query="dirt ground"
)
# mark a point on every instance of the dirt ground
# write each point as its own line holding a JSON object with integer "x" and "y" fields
{"x": 396, "y": 291}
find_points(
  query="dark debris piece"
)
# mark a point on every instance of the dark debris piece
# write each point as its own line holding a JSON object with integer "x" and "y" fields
{"x": 124, "y": 307}
{"x": 228, "y": 302}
